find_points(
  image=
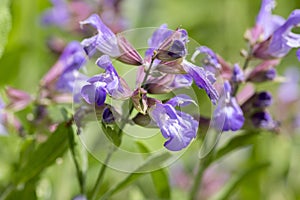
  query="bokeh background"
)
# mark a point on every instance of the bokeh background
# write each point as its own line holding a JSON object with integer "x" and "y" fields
{"x": 218, "y": 24}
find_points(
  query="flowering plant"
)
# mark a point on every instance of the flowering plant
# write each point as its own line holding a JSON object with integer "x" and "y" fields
{"x": 142, "y": 102}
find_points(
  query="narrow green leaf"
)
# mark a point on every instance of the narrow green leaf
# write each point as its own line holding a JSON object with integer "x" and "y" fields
{"x": 147, "y": 166}
{"x": 27, "y": 192}
{"x": 45, "y": 154}
{"x": 5, "y": 23}
{"x": 159, "y": 177}
{"x": 236, "y": 143}
{"x": 231, "y": 185}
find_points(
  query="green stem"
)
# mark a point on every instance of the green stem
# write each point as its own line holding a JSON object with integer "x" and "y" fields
{"x": 245, "y": 65}
{"x": 80, "y": 175}
{"x": 97, "y": 186}
{"x": 201, "y": 168}
{"x": 122, "y": 126}
{"x": 148, "y": 71}
{"x": 101, "y": 173}
{"x": 7, "y": 192}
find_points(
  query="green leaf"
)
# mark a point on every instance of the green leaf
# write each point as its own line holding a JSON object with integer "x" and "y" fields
{"x": 5, "y": 23}
{"x": 114, "y": 134}
{"x": 159, "y": 177}
{"x": 45, "y": 154}
{"x": 235, "y": 143}
{"x": 232, "y": 184}
{"x": 149, "y": 164}
{"x": 27, "y": 192}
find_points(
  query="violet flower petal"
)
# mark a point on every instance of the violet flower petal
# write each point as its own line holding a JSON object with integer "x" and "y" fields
{"x": 181, "y": 100}
{"x": 105, "y": 41}
{"x": 228, "y": 114}
{"x": 203, "y": 79}
{"x": 267, "y": 20}
{"x": 283, "y": 38}
{"x": 178, "y": 127}
{"x": 58, "y": 15}
{"x": 93, "y": 94}
{"x": 159, "y": 35}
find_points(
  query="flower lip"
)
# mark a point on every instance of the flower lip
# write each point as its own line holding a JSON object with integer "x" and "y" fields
{"x": 177, "y": 127}
{"x": 228, "y": 115}
{"x": 108, "y": 43}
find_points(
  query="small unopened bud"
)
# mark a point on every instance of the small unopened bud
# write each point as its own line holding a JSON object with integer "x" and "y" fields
{"x": 263, "y": 120}
{"x": 107, "y": 116}
{"x": 262, "y": 76}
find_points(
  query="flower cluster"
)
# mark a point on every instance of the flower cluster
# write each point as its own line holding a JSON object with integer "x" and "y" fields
{"x": 163, "y": 69}
{"x": 269, "y": 40}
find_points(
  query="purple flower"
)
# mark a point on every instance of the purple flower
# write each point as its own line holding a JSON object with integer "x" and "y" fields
{"x": 203, "y": 79}
{"x": 263, "y": 120}
{"x": 298, "y": 54}
{"x": 210, "y": 60}
{"x": 71, "y": 60}
{"x": 107, "y": 116}
{"x": 58, "y": 15}
{"x": 108, "y": 43}
{"x": 18, "y": 99}
{"x": 237, "y": 74}
{"x": 65, "y": 71}
{"x": 266, "y": 20}
{"x": 276, "y": 32}
{"x": 265, "y": 71}
{"x": 176, "y": 126}
{"x": 170, "y": 69}
{"x": 228, "y": 114}
{"x": 3, "y": 130}
{"x": 158, "y": 37}
{"x": 262, "y": 99}
{"x": 106, "y": 83}
{"x": 181, "y": 100}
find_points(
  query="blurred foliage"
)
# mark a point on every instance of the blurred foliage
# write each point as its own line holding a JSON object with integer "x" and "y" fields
{"x": 219, "y": 24}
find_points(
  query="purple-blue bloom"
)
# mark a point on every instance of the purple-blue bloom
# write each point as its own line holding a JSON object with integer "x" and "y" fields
{"x": 108, "y": 43}
{"x": 181, "y": 100}
{"x": 237, "y": 74}
{"x": 105, "y": 41}
{"x": 276, "y": 32}
{"x": 228, "y": 114}
{"x": 262, "y": 99}
{"x": 266, "y": 20}
{"x": 58, "y": 15}
{"x": 263, "y": 120}
{"x": 3, "y": 130}
{"x": 203, "y": 79}
{"x": 283, "y": 39}
{"x": 72, "y": 59}
{"x": 176, "y": 126}
{"x": 170, "y": 61}
{"x": 158, "y": 37}
{"x": 210, "y": 61}
{"x": 107, "y": 116}
{"x": 298, "y": 54}
{"x": 106, "y": 83}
